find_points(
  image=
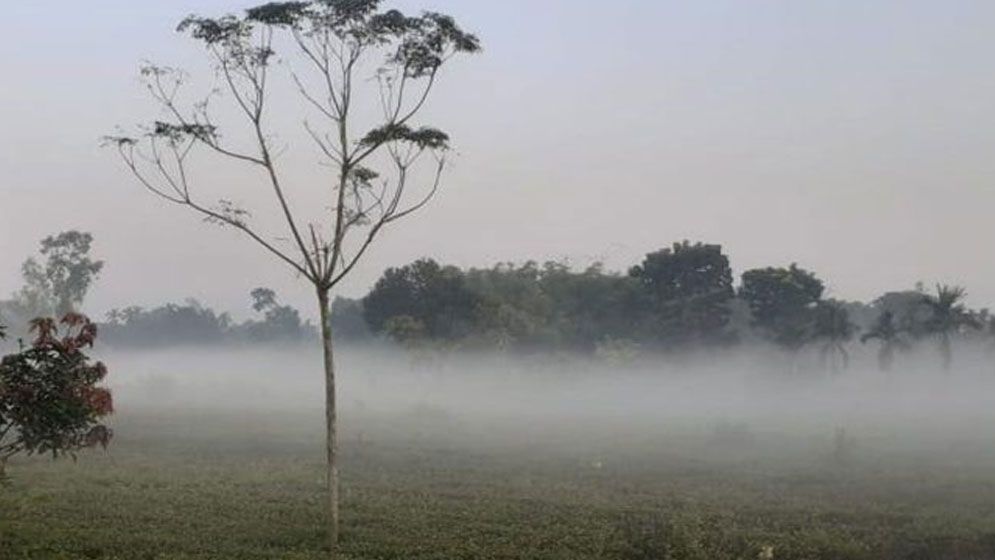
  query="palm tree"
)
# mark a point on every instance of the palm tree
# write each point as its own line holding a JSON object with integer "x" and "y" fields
{"x": 947, "y": 315}
{"x": 892, "y": 338}
{"x": 833, "y": 328}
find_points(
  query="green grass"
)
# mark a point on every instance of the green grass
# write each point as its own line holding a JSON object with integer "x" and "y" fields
{"x": 215, "y": 486}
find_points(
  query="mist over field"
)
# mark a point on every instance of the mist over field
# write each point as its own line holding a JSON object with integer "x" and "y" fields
{"x": 742, "y": 399}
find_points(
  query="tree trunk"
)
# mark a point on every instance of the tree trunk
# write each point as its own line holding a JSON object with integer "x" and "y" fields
{"x": 946, "y": 352}
{"x": 331, "y": 435}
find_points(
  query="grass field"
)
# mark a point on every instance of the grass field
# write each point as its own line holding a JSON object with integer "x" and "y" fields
{"x": 422, "y": 485}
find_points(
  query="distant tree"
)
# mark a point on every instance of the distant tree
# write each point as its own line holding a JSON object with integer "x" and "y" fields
{"x": 590, "y": 306}
{"x": 263, "y": 299}
{"x": 863, "y": 315}
{"x": 891, "y": 336}
{"x": 532, "y": 306}
{"x": 347, "y": 319}
{"x": 434, "y": 296}
{"x": 59, "y": 283}
{"x": 690, "y": 287}
{"x": 333, "y": 48}
{"x": 782, "y": 303}
{"x": 50, "y": 400}
{"x": 948, "y": 315}
{"x": 832, "y": 329}
{"x": 406, "y": 330}
{"x": 909, "y": 314}
{"x": 515, "y": 309}
{"x": 280, "y": 322}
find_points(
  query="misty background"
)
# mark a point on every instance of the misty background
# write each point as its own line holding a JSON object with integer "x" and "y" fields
{"x": 849, "y": 137}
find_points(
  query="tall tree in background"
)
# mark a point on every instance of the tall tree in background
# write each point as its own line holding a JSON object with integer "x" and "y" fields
{"x": 947, "y": 315}
{"x": 331, "y": 47}
{"x": 280, "y": 322}
{"x": 59, "y": 282}
{"x": 782, "y": 303}
{"x": 426, "y": 294}
{"x": 690, "y": 287}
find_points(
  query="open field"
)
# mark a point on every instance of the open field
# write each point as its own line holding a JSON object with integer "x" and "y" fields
{"x": 422, "y": 484}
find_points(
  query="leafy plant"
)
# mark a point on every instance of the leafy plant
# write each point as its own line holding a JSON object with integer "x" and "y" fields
{"x": 50, "y": 401}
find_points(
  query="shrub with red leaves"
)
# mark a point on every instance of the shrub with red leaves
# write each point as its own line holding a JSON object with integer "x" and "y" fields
{"x": 50, "y": 401}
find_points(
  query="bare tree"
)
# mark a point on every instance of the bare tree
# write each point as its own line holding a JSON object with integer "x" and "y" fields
{"x": 326, "y": 45}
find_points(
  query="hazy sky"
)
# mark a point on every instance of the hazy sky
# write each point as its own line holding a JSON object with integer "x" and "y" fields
{"x": 854, "y": 137}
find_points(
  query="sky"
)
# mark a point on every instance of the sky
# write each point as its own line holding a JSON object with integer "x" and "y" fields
{"x": 852, "y": 137}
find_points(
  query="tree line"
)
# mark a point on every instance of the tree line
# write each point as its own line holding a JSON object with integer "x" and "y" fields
{"x": 679, "y": 298}
{"x": 57, "y": 280}
{"x": 192, "y": 323}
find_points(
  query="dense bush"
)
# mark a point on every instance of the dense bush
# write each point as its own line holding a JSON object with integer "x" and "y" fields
{"x": 50, "y": 400}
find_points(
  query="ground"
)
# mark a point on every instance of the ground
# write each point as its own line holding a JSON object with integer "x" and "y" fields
{"x": 227, "y": 485}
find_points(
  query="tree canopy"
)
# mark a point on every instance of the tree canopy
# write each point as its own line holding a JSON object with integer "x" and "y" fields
{"x": 782, "y": 302}
{"x": 689, "y": 287}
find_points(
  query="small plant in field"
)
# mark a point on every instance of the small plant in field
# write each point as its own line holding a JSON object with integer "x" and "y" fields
{"x": 50, "y": 401}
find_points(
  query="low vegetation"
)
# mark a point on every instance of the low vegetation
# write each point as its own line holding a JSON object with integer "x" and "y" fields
{"x": 213, "y": 486}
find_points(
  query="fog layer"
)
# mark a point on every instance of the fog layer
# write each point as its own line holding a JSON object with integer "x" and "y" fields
{"x": 735, "y": 403}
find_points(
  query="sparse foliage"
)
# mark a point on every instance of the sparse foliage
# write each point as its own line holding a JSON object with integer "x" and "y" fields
{"x": 329, "y": 46}
{"x": 60, "y": 281}
{"x": 281, "y": 323}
